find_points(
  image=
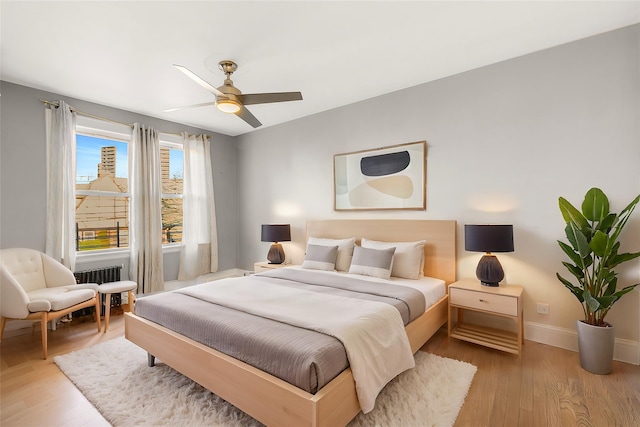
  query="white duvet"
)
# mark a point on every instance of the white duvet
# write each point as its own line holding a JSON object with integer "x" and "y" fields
{"x": 372, "y": 332}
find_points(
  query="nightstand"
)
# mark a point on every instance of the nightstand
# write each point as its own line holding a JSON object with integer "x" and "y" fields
{"x": 502, "y": 301}
{"x": 260, "y": 267}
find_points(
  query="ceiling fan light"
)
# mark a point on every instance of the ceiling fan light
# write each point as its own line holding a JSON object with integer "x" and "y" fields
{"x": 228, "y": 106}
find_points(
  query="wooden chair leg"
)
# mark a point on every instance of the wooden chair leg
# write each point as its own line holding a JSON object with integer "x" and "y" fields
{"x": 43, "y": 326}
{"x": 4, "y": 323}
{"x": 98, "y": 311}
{"x": 131, "y": 301}
{"x": 107, "y": 311}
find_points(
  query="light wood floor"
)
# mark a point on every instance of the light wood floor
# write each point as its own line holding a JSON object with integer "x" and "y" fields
{"x": 545, "y": 387}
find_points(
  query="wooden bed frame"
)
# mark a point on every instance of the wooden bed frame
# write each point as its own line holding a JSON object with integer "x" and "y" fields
{"x": 275, "y": 402}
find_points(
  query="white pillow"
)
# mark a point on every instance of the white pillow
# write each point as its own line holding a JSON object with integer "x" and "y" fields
{"x": 345, "y": 249}
{"x": 372, "y": 262}
{"x": 320, "y": 257}
{"x": 408, "y": 261}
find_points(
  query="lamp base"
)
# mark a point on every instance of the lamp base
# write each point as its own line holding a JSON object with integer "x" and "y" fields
{"x": 489, "y": 271}
{"x": 275, "y": 254}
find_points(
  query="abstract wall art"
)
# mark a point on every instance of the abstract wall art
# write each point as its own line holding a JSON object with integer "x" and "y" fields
{"x": 384, "y": 178}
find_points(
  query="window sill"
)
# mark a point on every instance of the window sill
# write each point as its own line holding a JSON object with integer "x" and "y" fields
{"x": 119, "y": 254}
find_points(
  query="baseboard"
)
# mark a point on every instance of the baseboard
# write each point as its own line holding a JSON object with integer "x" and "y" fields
{"x": 625, "y": 350}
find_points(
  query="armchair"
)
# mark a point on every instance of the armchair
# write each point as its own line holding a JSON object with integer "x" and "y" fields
{"x": 36, "y": 287}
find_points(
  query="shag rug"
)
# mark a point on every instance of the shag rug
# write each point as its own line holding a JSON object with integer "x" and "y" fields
{"x": 115, "y": 378}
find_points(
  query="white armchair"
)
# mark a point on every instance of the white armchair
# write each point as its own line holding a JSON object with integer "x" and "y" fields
{"x": 36, "y": 287}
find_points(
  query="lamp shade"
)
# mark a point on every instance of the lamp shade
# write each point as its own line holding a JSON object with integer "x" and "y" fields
{"x": 276, "y": 233}
{"x": 488, "y": 238}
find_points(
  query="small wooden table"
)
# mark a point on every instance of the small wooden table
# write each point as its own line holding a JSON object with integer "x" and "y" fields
{"x": 503, "y": 301}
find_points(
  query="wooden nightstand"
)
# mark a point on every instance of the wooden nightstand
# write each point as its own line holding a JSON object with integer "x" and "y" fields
{"x": 503, "y": 301}
{"x": 260, "y": 267}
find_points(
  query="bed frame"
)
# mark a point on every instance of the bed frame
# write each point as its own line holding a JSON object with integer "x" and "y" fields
{"x": 275, "y": 402}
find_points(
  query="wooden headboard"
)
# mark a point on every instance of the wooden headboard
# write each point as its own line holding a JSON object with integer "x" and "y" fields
{"x": 440, "y": 235}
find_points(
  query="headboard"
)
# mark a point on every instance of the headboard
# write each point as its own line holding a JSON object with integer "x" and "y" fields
{"x": 440, "y": 235}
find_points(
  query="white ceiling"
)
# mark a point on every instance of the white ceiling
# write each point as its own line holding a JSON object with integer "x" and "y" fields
{"x": 120, "y": 54}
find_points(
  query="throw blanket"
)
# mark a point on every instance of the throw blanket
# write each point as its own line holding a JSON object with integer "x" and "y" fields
{"x": 372, "y": 332}
{"x": 351, "y": 285}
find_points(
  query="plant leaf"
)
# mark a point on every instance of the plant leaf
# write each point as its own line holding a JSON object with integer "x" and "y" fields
{"x": 595, "y": 206}
{"x": 592, "y": 303}
{"x": 599, "y": 243}
{"x": 612, "y": 284}
{"x": 578, "y": 240}
{"x": 577, "y": 292}
{"x": 622, "y": 219}
{"x": 576, "y": 271}
{"x": 606, "y": 224}
{"x": 572, "y": 254}
{"x": 571, "y": 214}
{"x": 620, "y": 258}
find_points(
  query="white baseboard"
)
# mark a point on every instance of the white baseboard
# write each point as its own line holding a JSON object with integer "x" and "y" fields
{"x": 625, "y": 350}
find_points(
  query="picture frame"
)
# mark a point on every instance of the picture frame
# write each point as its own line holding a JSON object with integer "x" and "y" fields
{"x": 386, "y": 178}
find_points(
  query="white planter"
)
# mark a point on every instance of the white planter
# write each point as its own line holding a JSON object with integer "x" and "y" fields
{"x": 595, "y": 344}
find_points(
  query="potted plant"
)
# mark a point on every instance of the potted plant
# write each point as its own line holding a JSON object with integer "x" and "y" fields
{"x": 593, "y": 253}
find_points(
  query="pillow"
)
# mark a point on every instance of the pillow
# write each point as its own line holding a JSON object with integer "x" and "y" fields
{"x": 345, "y": 249}
{"x": 372, "y": 262}
{"x": 408, "y": 261}
{"x": 320, "y": 257}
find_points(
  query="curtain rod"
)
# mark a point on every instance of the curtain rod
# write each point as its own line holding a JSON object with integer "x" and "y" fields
{"x": 82, "y": 113}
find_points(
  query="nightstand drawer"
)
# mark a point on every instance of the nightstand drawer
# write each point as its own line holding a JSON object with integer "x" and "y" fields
{"x": 484, "y": 301}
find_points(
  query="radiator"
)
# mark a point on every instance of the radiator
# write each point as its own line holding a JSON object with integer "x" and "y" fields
{"x": 99, "y": 275}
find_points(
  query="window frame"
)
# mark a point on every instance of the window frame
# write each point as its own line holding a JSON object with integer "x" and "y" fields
{"x": 173, "y": 142}
{"x": 97, "y": 128}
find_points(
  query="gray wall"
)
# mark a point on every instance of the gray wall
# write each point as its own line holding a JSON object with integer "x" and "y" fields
{"x": 504, "y": 142}
{"x": 23, "y": 173}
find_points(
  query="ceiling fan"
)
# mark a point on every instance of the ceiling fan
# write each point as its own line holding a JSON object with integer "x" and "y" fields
{"x": 229, "y": 99}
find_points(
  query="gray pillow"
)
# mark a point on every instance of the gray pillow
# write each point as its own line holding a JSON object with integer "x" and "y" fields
{"x": 345, "y": 249}
{"x": 372, "y": 262}
{"x": 320, "y": 257}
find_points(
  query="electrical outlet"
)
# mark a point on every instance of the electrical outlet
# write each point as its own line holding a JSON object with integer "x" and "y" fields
{"x": 543, "y": 308}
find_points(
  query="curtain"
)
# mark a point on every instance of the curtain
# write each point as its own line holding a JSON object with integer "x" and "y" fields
{"x": 145, "y": 223}
{"x": 199, "y": 253}
{"x": 60, "y": 239}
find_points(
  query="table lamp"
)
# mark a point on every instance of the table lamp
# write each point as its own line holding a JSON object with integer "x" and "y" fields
{"x": 488, "y": 239}
{"x": 276, "y": 233}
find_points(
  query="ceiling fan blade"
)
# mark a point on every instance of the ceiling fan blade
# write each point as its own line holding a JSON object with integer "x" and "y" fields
{"x": 246, "y": 115}
{"x": 205, "y": 104}
{"x": 265, "y": 98}
{"x": 198, "y": 80}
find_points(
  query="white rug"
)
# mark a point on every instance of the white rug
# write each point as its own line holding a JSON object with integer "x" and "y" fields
{"x": 114, "y": 376}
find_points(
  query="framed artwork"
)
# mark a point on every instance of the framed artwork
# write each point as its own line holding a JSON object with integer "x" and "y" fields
{"x": 384, "y": 178}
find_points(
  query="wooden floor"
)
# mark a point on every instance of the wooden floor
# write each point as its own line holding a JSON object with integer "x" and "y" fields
{"x": 545, "y": 387}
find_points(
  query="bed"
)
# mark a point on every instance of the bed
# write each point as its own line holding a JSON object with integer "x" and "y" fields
{"x": 272, "y": 400}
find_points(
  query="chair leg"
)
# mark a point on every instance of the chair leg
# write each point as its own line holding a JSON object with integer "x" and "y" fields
{"x": 107, "y": 311}
{"x": 98, "y": 311}
{"x": 43, "y": 326}
{"x": 131, "y": 301}
{"x": 4, "y": 323}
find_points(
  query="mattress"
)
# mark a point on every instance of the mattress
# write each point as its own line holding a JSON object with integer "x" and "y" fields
{"x": 304, "y": 358}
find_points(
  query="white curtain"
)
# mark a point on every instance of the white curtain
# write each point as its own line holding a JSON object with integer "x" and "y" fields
{"x": 145, "y": 223}
{"x": 60, "y": 239}
{"x": 199, "y": 254}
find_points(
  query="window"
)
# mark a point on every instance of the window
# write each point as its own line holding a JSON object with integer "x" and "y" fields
{"x": 102, "y": 186}
{"x": 172, "y": 169}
